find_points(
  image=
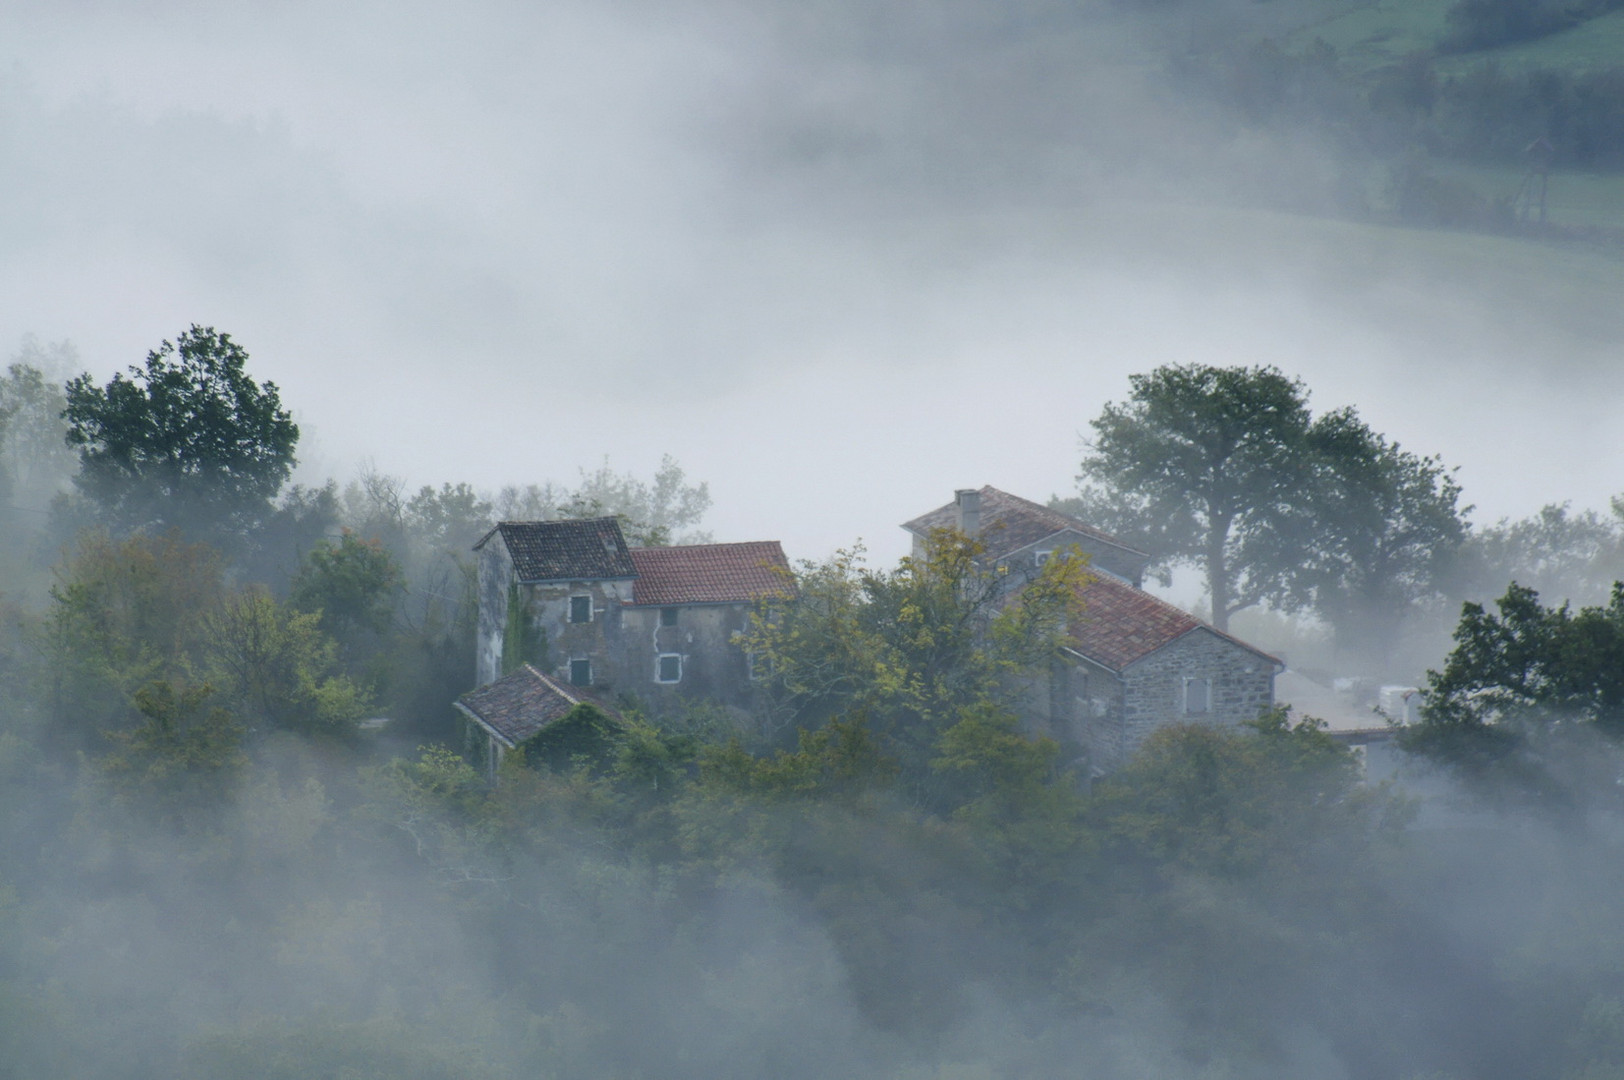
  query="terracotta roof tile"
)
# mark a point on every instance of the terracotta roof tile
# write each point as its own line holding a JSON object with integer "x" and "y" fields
{"x": 1121, "y": 624}
{"x": 586, "y": 550}
{"x": 709, "y": 573}
{"x": 522, "y": 702}
{"x": 1009, "y": 523}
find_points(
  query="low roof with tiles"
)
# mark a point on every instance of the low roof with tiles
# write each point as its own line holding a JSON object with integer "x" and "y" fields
{"x": 1009, "y": 523}
{"x": 709, "y": 573}
{"x": 522, "y": 702}
{"x": 588, "y": 550}
{"x": 1120, "y": 624}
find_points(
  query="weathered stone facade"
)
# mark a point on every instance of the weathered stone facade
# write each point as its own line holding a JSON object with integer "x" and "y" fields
{"x": 1133, "y": 663}
{"x": 660, "y": 624}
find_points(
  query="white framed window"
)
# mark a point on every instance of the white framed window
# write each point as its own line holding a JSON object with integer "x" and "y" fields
{"x": 1197, "y": 697}
{"x": 580, "y": 609}
{"x": 668, "y": 668}
{"x": 581, "y": 672}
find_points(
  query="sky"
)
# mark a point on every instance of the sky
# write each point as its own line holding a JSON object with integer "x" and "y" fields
{"x": 837, "y": 258}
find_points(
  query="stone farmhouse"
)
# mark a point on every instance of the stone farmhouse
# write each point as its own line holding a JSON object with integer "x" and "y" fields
{"x": 1134, "y": 662}
{"x": 568, "y": 613}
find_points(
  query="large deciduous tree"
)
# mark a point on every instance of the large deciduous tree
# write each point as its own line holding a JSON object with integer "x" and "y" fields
{"x": 189, "y": 440}
{"x": 1387, "y": 524}
{"x": 1206, "y": 465}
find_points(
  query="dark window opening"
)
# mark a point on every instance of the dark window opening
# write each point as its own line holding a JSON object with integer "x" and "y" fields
{"x": 580, "y": 609}
{"x": 581, "y": 672}
{"x": 668, "y": 616}
{"x": 670, "y": 669}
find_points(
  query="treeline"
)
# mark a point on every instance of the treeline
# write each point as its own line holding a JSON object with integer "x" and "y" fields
{"x": 211, "y": 865}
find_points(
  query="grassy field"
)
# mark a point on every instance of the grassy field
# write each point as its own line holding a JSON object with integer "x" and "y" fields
{"x": 1573, "y": 199}
{"x": 1597, "y": 43}
{"x": 1377, "y": 34}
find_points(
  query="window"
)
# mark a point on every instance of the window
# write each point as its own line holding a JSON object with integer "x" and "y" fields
{"x": 1043, "y": 557}
{"x": 580, "y": 609}
{"x": 668, "y": 616}
{"x": 669, "y": 668}
{"x": 581, "y": 672}
{"x": 1197, "y": 696}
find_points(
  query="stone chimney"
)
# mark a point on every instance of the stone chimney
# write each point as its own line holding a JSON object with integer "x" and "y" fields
{"x": 968, "y": 502}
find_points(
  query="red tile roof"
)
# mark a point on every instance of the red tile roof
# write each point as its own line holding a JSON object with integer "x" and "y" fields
{"x": 1009, "y": 523}
{"x": 522, "y": 702}
{"x": 709, "y": 573}
{"x": 1121, "y": 624}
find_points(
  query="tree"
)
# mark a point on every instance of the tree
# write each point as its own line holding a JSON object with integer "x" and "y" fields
{"x": 909, "y": 650}
{"x": 189, "y": 440}
{"x": 1556, "y": 551}
{"x": 1206, "y": 465}
{"x": 1532, "y": 666}
{"x": 1387, "y": 525}
{"x": 653, "y": 514}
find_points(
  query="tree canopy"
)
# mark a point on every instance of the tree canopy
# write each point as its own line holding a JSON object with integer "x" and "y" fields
{"x": 188, "y": 440}
{"x": 1205, "y": 464}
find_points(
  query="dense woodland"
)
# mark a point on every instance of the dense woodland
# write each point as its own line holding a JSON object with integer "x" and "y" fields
{"x": 215, "y": 863}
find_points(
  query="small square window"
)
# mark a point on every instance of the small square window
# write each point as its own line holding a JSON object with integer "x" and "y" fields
{"x": 670, "y": 668}
{"x": 1043, "y": 557}
{"x": 668, "y": 616}
{"x": 581, "y": 672}
{"x": 1197, "y": 696}
{"x": 580, "y": 609}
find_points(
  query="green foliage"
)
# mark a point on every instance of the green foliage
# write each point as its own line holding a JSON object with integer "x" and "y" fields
{"x": 585, "y": 737}
{"x": 1388, "y": 525}
{"x": 910, "y": 648}
{"x": 124, "y": 613}
{"x": 1526, "y": 668}
{"x": 1206, "y": 465}
{"x": 182, "y": 760}
{"x": 351, "y": 586}
{"x": 523, "y": 642}
{"x": 841, "y": 760}
{"x": 1236, "y": 802}
{"x": 278, "y": 668}
{"x": 188, "y": 440}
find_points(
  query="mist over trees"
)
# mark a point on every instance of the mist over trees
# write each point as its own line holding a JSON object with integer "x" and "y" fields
{"x": 215, "y": 863}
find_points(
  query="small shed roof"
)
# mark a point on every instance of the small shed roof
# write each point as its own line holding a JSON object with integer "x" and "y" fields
{"x": 1009, "y": 523}
{"x": 586, "y": 550}
{"x": 1120, "y": 624}
{"x": 709, "y": 573}
{"x": 521, "y": 703}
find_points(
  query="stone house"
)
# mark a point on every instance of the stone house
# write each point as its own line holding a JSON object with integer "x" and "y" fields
{"x": 510, "y": 712}
{"x": 1133, "y": 662}
{"x": 571, "y": 599}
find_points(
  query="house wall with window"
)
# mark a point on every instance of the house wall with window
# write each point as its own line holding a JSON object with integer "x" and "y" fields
{"x": 577, "y": 628}
{"x": 1201, "y": 677}
{"x": 696, "y": 643}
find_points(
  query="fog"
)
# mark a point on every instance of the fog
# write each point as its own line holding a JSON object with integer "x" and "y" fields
{"x": 837, "y": 259}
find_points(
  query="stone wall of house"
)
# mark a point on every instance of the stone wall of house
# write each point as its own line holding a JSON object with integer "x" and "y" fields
{"x": 713, "y": 665}
{"x": 495, "y": 579}
{"x": 1079, "y": 705}
{"x": 558, "y": 641}
{"x": 1239, "y": 684}
{"x": 1024, "y": 562}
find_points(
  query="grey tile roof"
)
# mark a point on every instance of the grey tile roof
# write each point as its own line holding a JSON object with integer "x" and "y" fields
{"x": 1009, "y": 523}
{"x": 522, "y": 702}
{"x": 588, "y": 550}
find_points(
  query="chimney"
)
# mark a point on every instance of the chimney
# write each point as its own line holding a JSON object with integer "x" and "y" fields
{"x": 968, "y": 501}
